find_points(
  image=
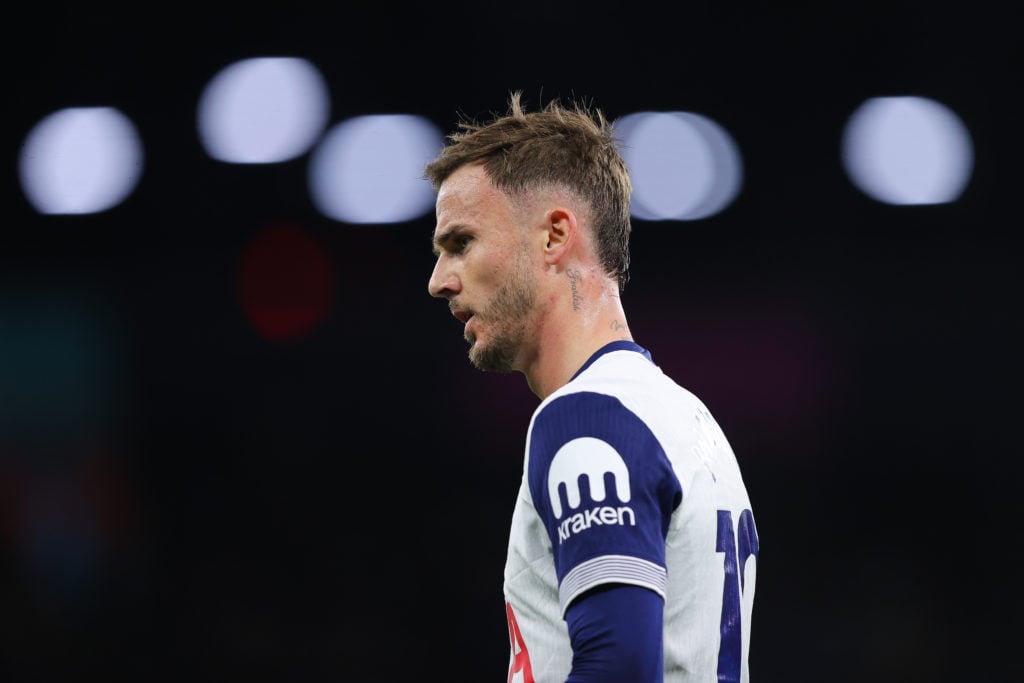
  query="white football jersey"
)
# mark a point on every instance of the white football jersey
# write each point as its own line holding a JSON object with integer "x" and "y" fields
{"x": 628, "y": 479}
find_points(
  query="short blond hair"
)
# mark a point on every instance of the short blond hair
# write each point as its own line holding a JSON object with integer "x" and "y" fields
{"x": 572, "y": 148}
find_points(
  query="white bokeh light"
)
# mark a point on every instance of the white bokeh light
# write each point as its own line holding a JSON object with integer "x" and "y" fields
{"x": 369, "y": 169}
{"x": 907, "y": 150}
{"x": 263, "y": 110}
{"x": 684, "y": 166}
{"x": 80, "y": 160}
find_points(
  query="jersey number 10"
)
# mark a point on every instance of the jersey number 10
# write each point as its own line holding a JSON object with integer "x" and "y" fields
{"x": 743, "y": 537}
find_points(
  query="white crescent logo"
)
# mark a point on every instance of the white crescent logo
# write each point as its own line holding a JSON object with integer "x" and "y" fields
{"x": 593, "y": 459}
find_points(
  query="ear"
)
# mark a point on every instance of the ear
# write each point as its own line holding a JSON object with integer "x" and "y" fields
{"x": 562, "y": 232}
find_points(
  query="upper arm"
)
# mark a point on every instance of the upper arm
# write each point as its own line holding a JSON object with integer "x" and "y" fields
{"x": 605, "y": 490}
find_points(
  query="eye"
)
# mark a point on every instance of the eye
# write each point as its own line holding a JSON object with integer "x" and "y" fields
{"x": 461, "y": 242}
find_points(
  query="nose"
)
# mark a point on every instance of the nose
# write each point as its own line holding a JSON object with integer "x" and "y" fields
{"x": 443, "y": 282}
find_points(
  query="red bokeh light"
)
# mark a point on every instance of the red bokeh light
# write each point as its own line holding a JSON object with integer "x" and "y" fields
{"x": 286, "y": 282}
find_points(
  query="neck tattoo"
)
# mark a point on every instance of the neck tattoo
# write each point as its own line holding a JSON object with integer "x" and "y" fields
{"x": 574, "y": 277}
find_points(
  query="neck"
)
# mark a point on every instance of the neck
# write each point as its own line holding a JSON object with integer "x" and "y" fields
{"x": 585, "y": 314}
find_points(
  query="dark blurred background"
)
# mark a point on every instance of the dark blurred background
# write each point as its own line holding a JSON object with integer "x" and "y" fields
{"x": 183, "y": 497}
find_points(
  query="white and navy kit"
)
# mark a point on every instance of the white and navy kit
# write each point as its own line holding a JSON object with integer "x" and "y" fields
{"x": 629, "y": 480}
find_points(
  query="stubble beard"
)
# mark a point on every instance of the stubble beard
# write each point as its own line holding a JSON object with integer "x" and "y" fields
{"x": 506, "y": 315}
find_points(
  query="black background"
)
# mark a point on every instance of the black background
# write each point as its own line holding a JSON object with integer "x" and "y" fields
{"x": 210, "y": 504}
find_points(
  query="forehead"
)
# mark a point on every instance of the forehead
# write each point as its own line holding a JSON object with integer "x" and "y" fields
{"x": 467, "y": 197}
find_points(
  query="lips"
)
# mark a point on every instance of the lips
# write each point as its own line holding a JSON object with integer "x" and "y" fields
{"x": 462, "y": 315}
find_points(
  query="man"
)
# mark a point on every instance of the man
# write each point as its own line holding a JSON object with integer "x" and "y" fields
{"x": 632, "y": 552}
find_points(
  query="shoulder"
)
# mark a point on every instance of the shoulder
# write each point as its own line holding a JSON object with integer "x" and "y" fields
{"x": 626, "y": 380}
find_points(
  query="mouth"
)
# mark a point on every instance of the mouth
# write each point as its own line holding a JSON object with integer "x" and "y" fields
{"x": 462, "y": 315}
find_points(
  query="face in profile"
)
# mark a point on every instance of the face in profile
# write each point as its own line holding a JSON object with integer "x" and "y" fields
{"x": 484, "y": 268}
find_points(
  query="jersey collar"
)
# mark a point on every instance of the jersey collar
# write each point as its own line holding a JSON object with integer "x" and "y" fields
{"x": 621, "y": 345}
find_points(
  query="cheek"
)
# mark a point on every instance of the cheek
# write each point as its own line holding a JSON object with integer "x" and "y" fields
{"x": 488, "y": 271}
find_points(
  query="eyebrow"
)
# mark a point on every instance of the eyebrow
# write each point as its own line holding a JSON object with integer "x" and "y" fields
{"x": 439, "y": 239}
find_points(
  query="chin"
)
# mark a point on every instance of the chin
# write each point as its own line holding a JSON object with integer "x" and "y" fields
{"x": 490, "y": 359}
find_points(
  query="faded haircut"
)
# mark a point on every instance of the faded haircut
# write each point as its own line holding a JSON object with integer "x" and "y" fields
{"x": 572, "y": 147}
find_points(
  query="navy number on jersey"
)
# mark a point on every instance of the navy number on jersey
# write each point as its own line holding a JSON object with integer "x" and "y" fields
{"x": 738, "y": 543}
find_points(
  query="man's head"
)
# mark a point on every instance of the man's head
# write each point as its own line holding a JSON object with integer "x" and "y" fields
{"x": 532, "y": 215}
{"x": 567, "y": 148}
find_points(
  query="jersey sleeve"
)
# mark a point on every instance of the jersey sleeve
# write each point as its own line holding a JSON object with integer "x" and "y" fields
{"x": 605, "y": 491}
{"x": 617, "y": 634}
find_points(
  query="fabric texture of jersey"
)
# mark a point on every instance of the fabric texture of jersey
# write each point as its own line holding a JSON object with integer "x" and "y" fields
{"x": 629, "y": 479}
